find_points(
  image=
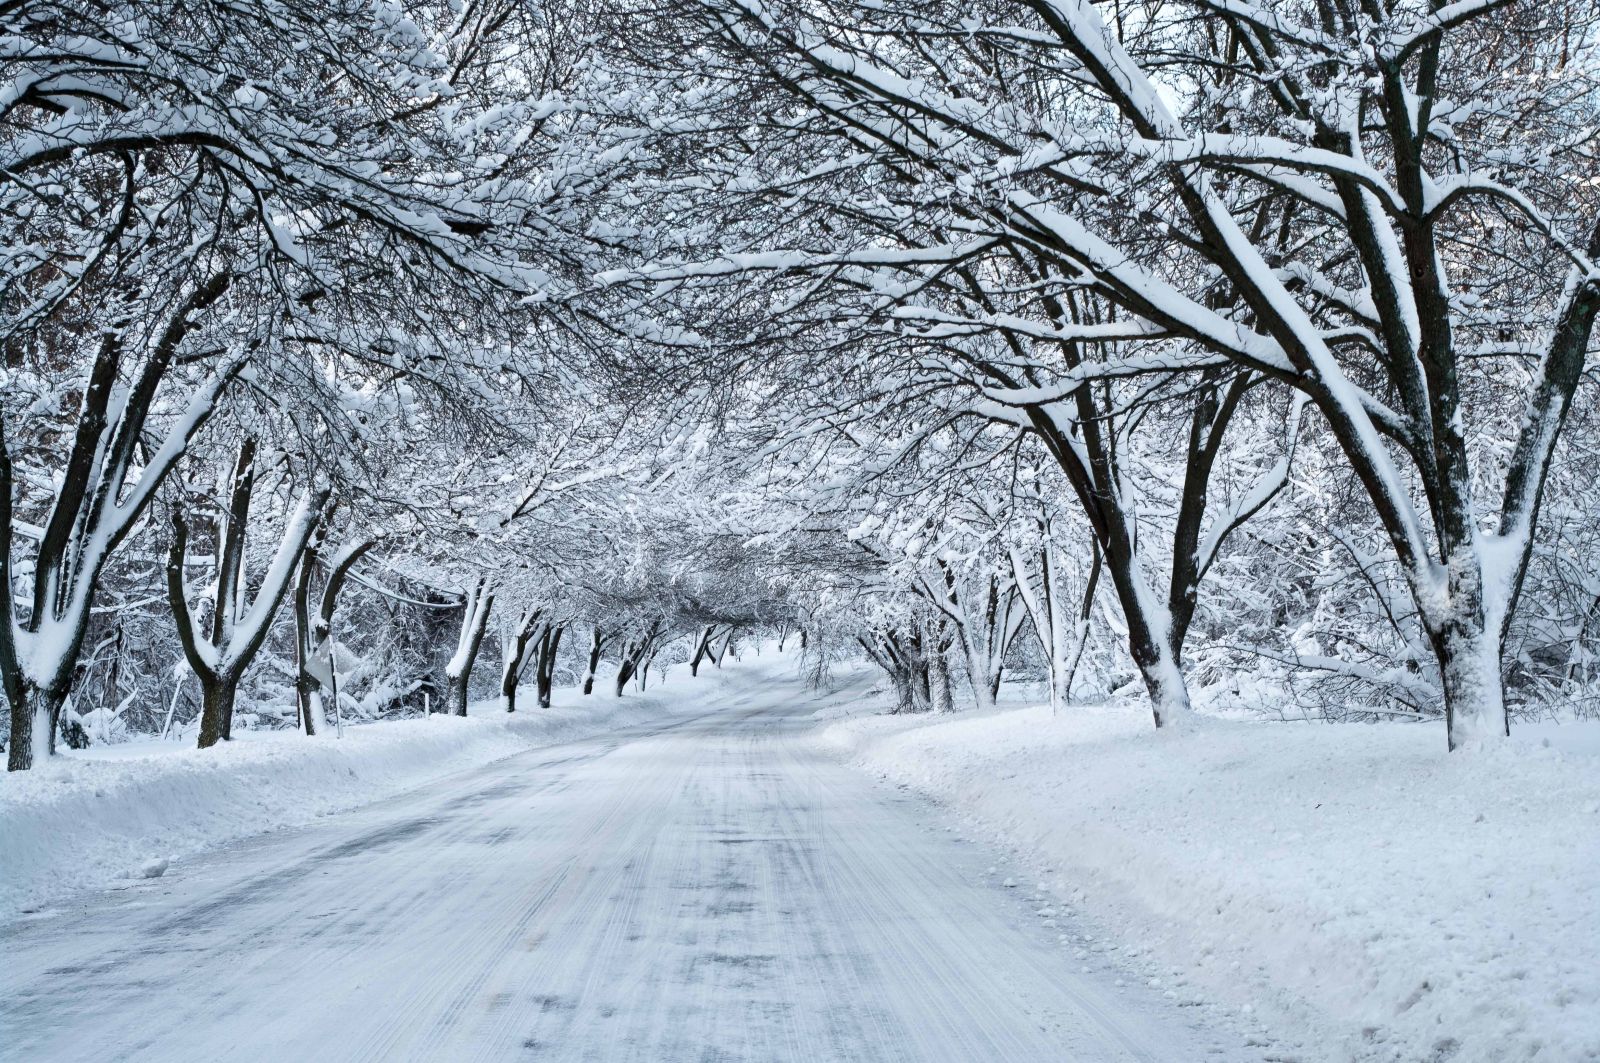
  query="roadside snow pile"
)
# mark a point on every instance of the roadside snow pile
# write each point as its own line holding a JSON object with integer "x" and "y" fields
{"x": 90, "y": 818}
{"x": 1404, "y": 903}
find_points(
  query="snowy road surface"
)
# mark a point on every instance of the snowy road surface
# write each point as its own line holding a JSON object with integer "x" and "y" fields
{"x": 712, "y": 888}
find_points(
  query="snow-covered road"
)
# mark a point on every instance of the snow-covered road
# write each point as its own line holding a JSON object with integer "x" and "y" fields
{"x": 714, "y": 888}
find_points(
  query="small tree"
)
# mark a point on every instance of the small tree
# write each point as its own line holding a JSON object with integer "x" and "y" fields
{"x": 220, "y": 654}
{"x": 475, "y": 608}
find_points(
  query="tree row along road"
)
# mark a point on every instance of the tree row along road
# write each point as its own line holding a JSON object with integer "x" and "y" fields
{"x": 712, "y": 888}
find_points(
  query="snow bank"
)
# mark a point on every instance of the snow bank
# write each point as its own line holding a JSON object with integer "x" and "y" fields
{"x": 1354, "y": 880}
{"x": 89, "y": 818}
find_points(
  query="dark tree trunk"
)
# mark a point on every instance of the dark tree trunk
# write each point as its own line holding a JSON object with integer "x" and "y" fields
{"x": 230, "y": 563}
{"x": 596, "y": 643}
{"x": 305, "y": 684}
{"x": 456, "y": 692}
{"x": 1149, "y": 634}
{"x": 516, "y": 650}
{"x": 231, "y": 646}
{"x": 702, "y": 646}
{"x": 477, "y": 606}
{"x": 217, "y": 696}
{"x": 939, "y": 668}
{"x": 92, "y": 502}
{"x": 35, "y": 719}
{"x": 635, "y": 654}
{"x": 545, "y": 670}
{"x": 907, "y": 668}
{"x": 905, "y": 699}
{"x": 727, "y": 642}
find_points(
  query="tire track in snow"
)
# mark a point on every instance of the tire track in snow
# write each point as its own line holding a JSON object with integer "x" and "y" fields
{"x": 711, "y": 890}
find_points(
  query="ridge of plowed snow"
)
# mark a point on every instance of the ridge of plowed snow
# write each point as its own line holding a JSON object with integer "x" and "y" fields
{"x": 1412, "y": 903}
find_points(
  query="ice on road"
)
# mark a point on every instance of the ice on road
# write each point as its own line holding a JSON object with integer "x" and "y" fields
{"x": 711, "y": 888}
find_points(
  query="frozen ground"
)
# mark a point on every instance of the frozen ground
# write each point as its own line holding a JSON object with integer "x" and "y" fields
{"x": 96, "y": 817}
{"x": 1353, "y": 883}
{"x": 706, "y": 886}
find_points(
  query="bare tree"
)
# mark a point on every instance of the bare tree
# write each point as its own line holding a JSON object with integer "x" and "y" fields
{"x": 239, "y": 622}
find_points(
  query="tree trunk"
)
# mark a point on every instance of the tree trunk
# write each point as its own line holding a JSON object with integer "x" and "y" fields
{"x": 305, "y": 684}
{"x": 702, "y": 646}
{"x": 314, "y": 634}
{"x": 545, "y": 671}
{"x": 903, "y": 700}
{"x": 1466, "y": 645}
{"x": 1474, "y": 699}
{"x": 595, "y": 643}
{"x": 456, "y": 687}
{"x": 1149, "y": 628}
{"x": 727, "y": 642}
{"x": 514, "y": 654}
{"x": 476, "y": 607}
{"x": 1096, "y": 483}
{"x": 1163, "y": 678}
{"x": 216, "y": 709}
{"x": 1149, "y": 640}
{"x": 636, "y": 654}
{"x": 238, "y": 637}
{"x": 95, "y": 508}
{"x": 33, "y": 728}
{"x": 907, "y": 669}
{"x": 915, "y": 662}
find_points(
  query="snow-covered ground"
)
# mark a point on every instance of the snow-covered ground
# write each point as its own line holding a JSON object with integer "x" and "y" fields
{"x": 1353, "y": 883}
{"x": 95, "y": 817}
{"x": 1339, "y": 892}
{"x": 708, "y": 886}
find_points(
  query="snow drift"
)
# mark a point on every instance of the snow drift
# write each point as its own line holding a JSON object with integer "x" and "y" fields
{"x": 1346, "y": 879}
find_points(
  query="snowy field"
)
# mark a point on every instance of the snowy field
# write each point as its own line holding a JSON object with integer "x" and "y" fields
{"x": 111, "y": 813}
{"x": 1344, "y": 881}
